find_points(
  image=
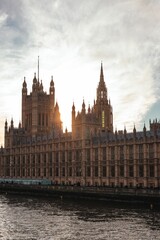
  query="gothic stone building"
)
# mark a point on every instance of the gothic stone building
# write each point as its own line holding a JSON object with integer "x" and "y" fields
{"x": 92, "y": 154}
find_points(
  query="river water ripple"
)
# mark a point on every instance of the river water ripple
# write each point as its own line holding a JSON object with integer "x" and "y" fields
{"x": 30, "y": 218}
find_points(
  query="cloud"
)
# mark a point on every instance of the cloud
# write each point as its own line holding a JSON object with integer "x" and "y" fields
{"x": 72, "y": 37}
{"x": 3, "y": 18}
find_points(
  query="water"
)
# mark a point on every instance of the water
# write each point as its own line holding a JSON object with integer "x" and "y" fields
{"x": 29, "y": 218}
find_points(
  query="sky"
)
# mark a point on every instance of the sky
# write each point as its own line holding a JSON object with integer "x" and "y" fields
{"x": 71, "y": 38}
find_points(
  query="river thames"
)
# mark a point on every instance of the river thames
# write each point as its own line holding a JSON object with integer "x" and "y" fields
{"x": 29, "y": 218}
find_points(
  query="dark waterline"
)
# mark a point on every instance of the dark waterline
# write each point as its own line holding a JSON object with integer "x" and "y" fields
{"x": 59, "y": 219}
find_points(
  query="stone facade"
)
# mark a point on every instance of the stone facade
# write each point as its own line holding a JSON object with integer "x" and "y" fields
{"x": 92, "y": 154}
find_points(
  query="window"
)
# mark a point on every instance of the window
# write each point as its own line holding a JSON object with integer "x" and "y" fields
{"x": 57, "y": 157}
{"x": 131, "y": 171}
{"x": 23, "y": 161}
{"x": 141, "y": 171}
{"x": 63, "y": 156}
{"x": 38, "y": 159}
{"x": 112, "y": 153}
{"x": 70, "y": 172}
{"x": 96, "y": 154}
{"x": 39, "y": 119}
{"x": 112, "y": 171}
{"x": 38, "y": 172}
{"x": 57, "y": 172}
{"x": 46, "y": 119}
{"x": 28, "y": 172}
{"x": 78, "y": 155}
{"x": 121, "y": 171}
{"x": 23, "y": 172}
{"x": 69, "y": 156}
{"x": 151, "y": 151}
{"x": 18, "y": 172}
{"x": 104, "y": 153}
{"x": 50, "y": 158}
{"x": 96, "y": 171}
{"x": 88, "y": 171}
{"x": 44, "y": 157}
{"x": 88, "y": 154}
{"x": 121, "y": 152}
{"x": 43, "y": 119}
{"x": 130, "y": 152}
{"x": 141, "y": 152}
{"x": 103, "y": 119}
{"x": 33, "y": 172}
{"x": 63, "y": 172}
{"x": 104, "y": 171}
{"x": 78, "y": 171}
{"x": 151, "y": 170}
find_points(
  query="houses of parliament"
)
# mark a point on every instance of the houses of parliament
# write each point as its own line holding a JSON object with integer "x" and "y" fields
{"x": 92, "y": 154}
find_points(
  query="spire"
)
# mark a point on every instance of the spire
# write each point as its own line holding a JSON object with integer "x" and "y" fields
{"x": 101, "y": 74}
{"x": 34, "y": 79}
{"x": 6, "y": 125}
{"x": 20, "y": 125}
{"x": 134, "y": 131}
{"x": 73, "y": 107}
{"x": 102, "y": 90}
{"x": 24, "y": 83}
{"x": 89, "y": 109}
{"x": 12, "y": 124}
{"x": 41, "y": 86}
{"x": 83, "y": 107}
{"x": 38, "y": 68}
{"x": 52, "y": 83}
{"x": 57, "y": 106}
{"x": 144, "y": 128}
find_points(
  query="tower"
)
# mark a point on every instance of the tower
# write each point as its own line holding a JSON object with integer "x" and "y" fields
{"x": 103, "y": 107}
{"x": 40, "y": 114}
{"x": 24, "y": 96}
{"x": 98, "y": 118}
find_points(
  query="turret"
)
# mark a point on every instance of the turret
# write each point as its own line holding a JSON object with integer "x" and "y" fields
{"x": 83, "y": 107}
{"x": 51, "y": 89}
{"x": 102, "y": 90}
{"x": 24, "y": 96}
{"x": 6, "y": 126}
{"x": 57, "y": 107}
{"x": 134, "y": 131}
{"x": 20, "y": 126}
{"x": 52, "y": 92}
{"x": 103, "y": 108}
{"x": 33, "y": 118}
{"x": 12, "y": 124}
{"x": 35, "y": 83}
{"x": 73, "y": 120}
{"x": 73, "y": 112}
{"x": 24, "y": 87}
{"x": 41, "y": 86}
{"x": 89, "y": 109}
